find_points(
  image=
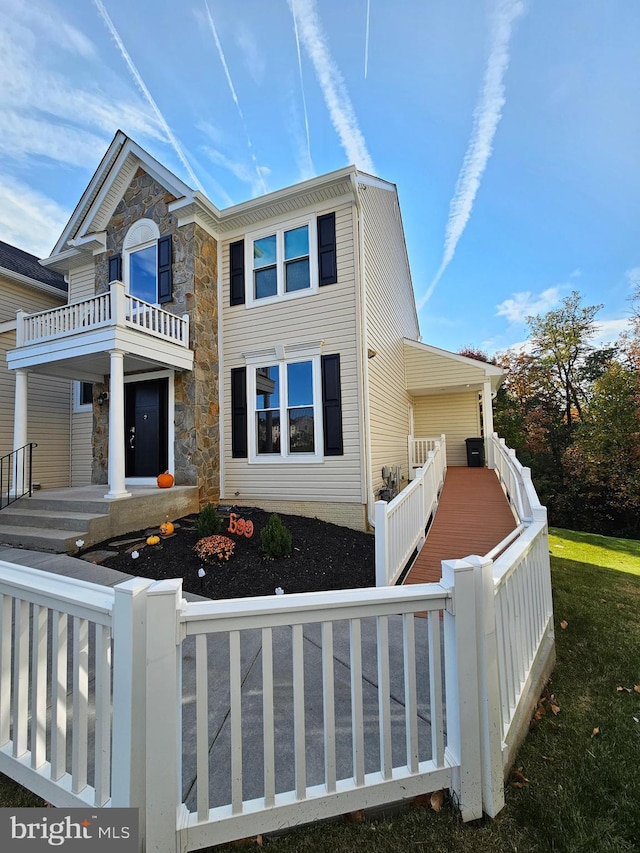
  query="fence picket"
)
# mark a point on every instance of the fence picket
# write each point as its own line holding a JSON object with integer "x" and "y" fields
{"x": 79, "y": 741}
{"x": 202, "y": 727}
{"x": 297, "y": 641}
{"x": 268, "y": 718}
{"x": 38, "y": 686}
{"x": 384, "y": 706}
{"x": 328, "y": 707}
{"x": 235, "y": 715}
{"x": 410, "y": 690}
{"x": 357, "y": 712}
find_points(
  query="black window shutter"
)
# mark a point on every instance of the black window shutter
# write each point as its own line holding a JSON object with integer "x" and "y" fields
{"x": 327, "y": 267}
{"x": 239, "y": 412}
{"x": 115, "y": 268}
{"x": 331, "y": 405}
{"x": 165, "y": 286}
{"x": 236, "y": 263}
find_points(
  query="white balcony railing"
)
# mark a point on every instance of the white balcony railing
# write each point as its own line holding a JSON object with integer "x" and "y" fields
{"x": 114, "y": 308}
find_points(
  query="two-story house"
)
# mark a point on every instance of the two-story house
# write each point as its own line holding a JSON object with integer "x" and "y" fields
{"x": 268, "y": 353}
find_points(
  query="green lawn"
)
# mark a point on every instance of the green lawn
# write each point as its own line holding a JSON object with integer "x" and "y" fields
{"x": 583, "y": 789}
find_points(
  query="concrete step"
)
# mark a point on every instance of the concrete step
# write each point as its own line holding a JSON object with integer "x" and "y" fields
{"x": 63, "y": 504}
{"x": 50, "y": 520}
{"x": 54, "y": 541}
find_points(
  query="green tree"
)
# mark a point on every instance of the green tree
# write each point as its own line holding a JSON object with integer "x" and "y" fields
{"x": 561, "y": 341}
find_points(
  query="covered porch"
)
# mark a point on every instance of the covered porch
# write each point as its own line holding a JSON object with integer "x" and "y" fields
{"x": 112, "y": 335}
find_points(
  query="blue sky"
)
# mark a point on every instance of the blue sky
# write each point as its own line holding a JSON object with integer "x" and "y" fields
{"x": 511, "y": 128}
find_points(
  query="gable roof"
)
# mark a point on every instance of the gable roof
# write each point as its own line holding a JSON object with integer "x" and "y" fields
{"x": 25, "y": 265}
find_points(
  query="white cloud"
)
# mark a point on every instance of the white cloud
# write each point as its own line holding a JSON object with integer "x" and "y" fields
{"x": 331, "y": 83}
{"x": 241, "y": 170}
{"x": 22, "y": 137}
{"x": 525, "y": 304}
{"x": 486, "y": 118}
{"x": 250, "y": 48}
{"x": 633, "y": 276}
{"x": 29, "y": 219}
{"x": 608, "y": 330}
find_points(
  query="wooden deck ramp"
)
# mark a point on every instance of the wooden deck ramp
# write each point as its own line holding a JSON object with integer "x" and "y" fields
{"x": 473, "y": 516}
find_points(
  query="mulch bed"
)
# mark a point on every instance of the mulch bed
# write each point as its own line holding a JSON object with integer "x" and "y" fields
{"x": 325, "y": 557}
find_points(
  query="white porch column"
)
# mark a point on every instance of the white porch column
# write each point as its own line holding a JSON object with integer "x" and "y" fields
{"x": 20, "y": 426}
{"x": 487, "y": 423}
{"x": 116, "y": 427}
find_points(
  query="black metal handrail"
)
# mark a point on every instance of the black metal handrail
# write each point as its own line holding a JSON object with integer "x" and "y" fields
{"x": 15, "y": 474}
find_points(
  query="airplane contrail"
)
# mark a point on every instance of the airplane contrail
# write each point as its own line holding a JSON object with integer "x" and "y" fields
{"x": 333, "y": 88}
{"x": 486, "y": 118}
{"x": 234, "y": 95}
{"x": 147, "y": 94}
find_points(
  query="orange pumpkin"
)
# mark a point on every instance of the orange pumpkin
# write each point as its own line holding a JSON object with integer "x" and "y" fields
{"x": 153, "y": 540}
{"x": 165, "y": 481}
{"x": 167, "y": 528}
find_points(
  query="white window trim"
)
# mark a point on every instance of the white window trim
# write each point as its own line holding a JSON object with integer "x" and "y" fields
{"x": 285, "y": 456}
{"x": 77, "y": 405}
{"x": 282, "y": 295}
{"x": 148, "y": 232}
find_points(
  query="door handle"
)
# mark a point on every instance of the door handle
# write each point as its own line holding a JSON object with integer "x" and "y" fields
{"x": 132, "y": 437}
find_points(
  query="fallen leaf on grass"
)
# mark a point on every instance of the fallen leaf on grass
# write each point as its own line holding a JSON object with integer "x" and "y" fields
{"x": 596, "y": 731}
{"x": 355, "y": 817}
{"x": 564, "y": 624}
{"x": 546, "y": 758}
{"x": 437, "y": 800}
{"x": 555, "y": 708}
{"x": 623, "y": 689}
{"x": 636, "y": 687}
{"x": 518, "y": 779}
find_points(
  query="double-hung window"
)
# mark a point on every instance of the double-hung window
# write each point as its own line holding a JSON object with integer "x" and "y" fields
{"x": 283, "y": 263}
{"x": 286, "y": 419}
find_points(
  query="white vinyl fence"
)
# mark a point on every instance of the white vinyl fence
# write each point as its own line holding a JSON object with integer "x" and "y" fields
{"x": 224, "y": 719}
{"x": 401, "y": 524}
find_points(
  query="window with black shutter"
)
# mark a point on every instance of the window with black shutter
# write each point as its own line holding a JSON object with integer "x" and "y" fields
{"x": 332, "y": 405}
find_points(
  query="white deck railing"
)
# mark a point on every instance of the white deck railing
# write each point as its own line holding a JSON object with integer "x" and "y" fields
{"x": 401, "y": 523}
{"x": 55, "y": 717}
{"x": 419, "y": 449}
{"x": 274, "y": 711}
{"x": 114, "y": 308}
{"x": 515, "y": 480}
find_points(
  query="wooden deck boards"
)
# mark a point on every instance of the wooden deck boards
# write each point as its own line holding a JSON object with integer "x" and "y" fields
{"x": 472, "y": 517}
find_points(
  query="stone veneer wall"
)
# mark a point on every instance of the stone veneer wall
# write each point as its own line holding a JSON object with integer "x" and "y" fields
{"x": 194, "y": 293}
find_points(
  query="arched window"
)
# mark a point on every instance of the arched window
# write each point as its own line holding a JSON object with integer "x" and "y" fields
{"x": 147, "y": 262}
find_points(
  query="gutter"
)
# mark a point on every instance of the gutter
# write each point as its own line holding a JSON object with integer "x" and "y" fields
{"x": 364, "y": 357}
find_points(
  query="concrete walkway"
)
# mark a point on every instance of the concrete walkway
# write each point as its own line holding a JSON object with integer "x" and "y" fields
{"x": 251, "y": 697}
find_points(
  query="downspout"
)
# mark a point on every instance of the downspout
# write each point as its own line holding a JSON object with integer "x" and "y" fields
{"x": 221, "y": 375}
{"x": 362, "y": 291}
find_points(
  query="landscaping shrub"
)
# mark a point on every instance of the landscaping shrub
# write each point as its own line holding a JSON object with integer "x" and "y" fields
{"x": 209, "y": 523}
{"x": 276, "y": 539}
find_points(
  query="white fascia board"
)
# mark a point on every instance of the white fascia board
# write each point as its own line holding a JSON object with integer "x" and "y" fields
{"x": 488, "y": 369}
{"x": 34, "y": 283}
{"x": 372, "y": 181}
{"x": 96, "y": 241}
{"x": 296, "y": 189}
{"x": 98, "y": 177}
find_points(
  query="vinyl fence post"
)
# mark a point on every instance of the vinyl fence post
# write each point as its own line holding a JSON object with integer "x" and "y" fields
{"x": 382, "y": 544}
{"x": 129, "y": 632}
{"x": 163, "y": 716}
{"x": 461, "y": 686}
{"x": 489, "y": 688}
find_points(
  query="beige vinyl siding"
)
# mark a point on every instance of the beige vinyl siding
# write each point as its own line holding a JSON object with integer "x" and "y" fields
{"x": 82, "y": 283}
{"x": 428, "y": 371}
{"x": 455, "y": 415}
{"x": 49, "y": 400}
{"x": 390, "y": 317}
{"x": 81, "y": 453}
{"x": 328, "y": 316}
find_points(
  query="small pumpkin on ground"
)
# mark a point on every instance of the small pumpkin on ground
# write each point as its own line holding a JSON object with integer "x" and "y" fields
{"x": 153, "y": 540}
{"x": 165, "y": 481}
{"x": 166, "y": 528}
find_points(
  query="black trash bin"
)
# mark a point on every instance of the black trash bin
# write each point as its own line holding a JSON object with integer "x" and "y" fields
{"x": 475, "y": 452}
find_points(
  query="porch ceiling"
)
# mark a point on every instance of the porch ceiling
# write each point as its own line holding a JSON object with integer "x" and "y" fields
{"x": 94, "y": 367}
{"x": 430, "y": 371}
